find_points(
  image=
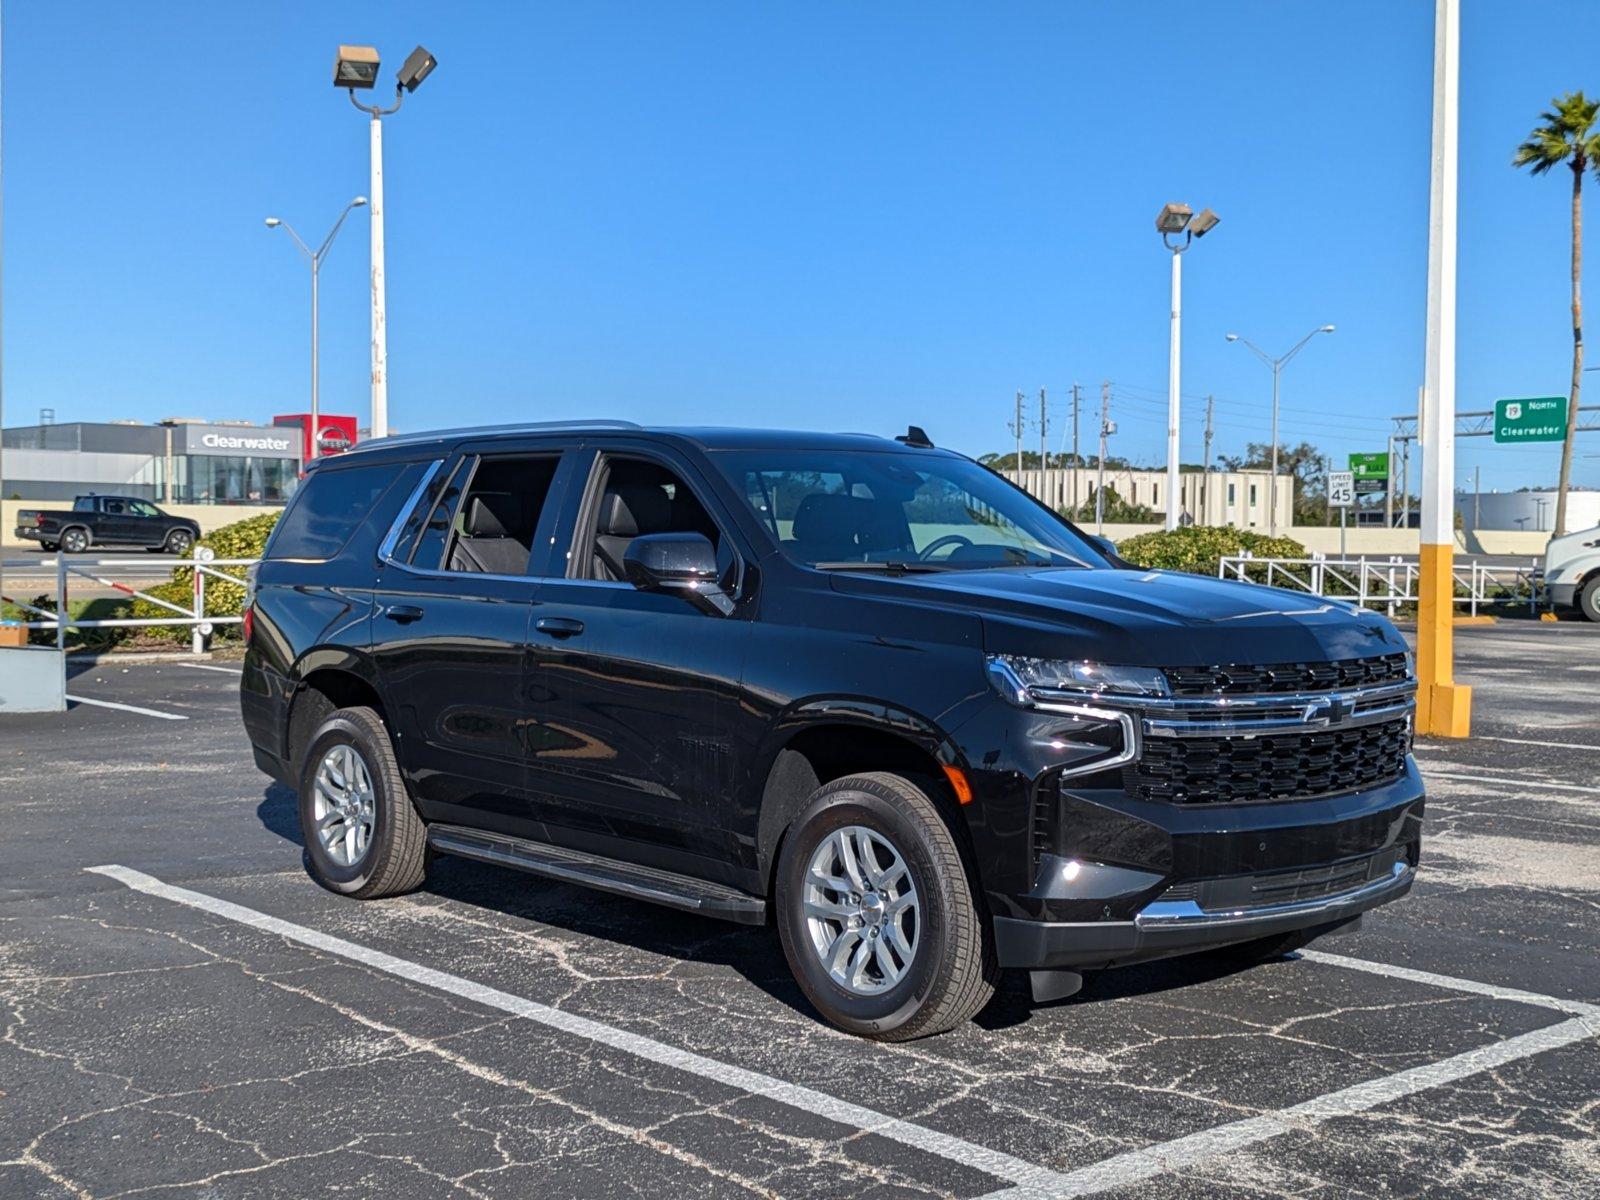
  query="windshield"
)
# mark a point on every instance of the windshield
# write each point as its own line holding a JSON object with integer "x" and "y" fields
{"x": 865, "y": 510}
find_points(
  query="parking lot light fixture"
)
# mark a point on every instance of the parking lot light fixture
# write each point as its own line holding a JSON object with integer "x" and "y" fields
{"x": 1277, "y": 365}
{"x": 315, "y": 257}
{"x": 418, "y": 66}
{"x": 1178, "y": 227}
{"x": 355, "y": 67}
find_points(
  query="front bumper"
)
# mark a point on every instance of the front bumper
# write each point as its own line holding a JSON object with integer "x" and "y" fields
{"x": 1167, "y": 927}
{"x": 1562, "y": 595}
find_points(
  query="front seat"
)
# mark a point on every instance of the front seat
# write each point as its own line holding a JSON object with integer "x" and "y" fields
{"x": 489, "y": 540}
{"x": 828, "y": 525}
{"x": 626, "y": 511}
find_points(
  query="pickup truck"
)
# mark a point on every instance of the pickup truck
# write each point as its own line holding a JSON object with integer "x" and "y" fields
{"x": 107, "y": 521}
{"x": 1572, "y": 572}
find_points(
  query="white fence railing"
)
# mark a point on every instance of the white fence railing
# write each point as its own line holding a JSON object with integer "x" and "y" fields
{"x": 1390, "y": 582}
{"x": 60, "y": 570}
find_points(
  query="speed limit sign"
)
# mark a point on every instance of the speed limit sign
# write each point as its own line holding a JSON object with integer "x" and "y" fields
{"x": 1341, "y": 489}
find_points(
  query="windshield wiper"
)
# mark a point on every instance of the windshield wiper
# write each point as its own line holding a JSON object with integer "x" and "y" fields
{"x": 893, "y": 567}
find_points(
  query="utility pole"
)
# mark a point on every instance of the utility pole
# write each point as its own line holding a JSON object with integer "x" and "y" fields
{"x": 1444, "y": 708}
{"x": 1477, "y": 497}
{"x": 1388, "y": 487}
{"x": 1205, "y": 466}
{"x": 1017, "y": 427}
{"x": 1077, "y": 460}
{"x": 1044, "y": 453}
{"x": 1106, "y": 430}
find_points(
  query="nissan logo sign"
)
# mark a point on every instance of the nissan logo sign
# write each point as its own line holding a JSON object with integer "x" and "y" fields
{"x": 332, "y": 440}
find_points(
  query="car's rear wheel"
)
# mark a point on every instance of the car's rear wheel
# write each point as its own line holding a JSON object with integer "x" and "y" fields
{"x": 74, "y": 541}
{"x": 49, "y": 547}
{"x": 178, "y": 541}
{"x": 877, "y": 913}
{"x": 362, "y": 835}
{"x": 1589, "y": 599}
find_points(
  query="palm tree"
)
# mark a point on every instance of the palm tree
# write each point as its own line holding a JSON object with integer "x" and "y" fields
{"x": 1567, "y": 135}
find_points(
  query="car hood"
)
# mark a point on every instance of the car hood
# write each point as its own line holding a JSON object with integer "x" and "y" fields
{"x": 1156, "y": 618}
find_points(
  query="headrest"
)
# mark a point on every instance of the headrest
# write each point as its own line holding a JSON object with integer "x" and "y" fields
{"x": 491, "y": 514}
{"x": 629, "y": 509}
{"x": 829, "y": 518}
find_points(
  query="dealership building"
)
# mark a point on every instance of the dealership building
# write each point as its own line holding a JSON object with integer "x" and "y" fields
{"x": 176, "y": 461}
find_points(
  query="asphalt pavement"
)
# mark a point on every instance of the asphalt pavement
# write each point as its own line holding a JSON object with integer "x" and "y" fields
{"x": 186, "y": 1014}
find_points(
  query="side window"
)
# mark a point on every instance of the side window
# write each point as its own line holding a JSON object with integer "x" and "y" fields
{"x": 115, "y": 508}
{"x": 428, "y": 552}
{"x": 637, "y": 497}
{"x": 141, "y": 509}
{"x": 83, "y": 504}
{"x": 326, "y": 510}
{"x": 494, "y": 527}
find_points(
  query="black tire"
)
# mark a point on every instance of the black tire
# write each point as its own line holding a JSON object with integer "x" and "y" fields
{"x": 75, "y": 540}
{"x": 49, "y": 547}
{"x": 952, "y": 972}
{"x": 394, "y": 858}
{"x": 1588, "y": 599}
{"x": 177, "y": 541}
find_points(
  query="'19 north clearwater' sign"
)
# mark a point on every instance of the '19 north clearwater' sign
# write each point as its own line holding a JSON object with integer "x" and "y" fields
{"x": 1536, "y": 419}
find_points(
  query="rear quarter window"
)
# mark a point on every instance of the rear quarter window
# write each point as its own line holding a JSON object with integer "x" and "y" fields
{"x": 328, "y": 508}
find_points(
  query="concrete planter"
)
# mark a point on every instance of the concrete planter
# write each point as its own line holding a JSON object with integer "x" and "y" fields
{"x": 32, "y": 679}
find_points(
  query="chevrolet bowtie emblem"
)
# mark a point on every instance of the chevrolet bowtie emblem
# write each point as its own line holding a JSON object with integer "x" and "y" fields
{"x": 1333, "y": 710}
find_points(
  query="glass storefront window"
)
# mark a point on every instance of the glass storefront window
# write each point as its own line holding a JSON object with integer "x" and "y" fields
{"x": 229, "y": 479}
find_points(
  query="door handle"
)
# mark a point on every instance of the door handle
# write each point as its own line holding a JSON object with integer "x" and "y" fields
{"x": 404, "y": 613}
{"x": 559, "y": 627}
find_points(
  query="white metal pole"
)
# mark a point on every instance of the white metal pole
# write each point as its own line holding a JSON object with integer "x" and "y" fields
{"x": 380, "y": 344}
{"x": 1272, "y": 480}
{"x": 1443, "y": 708}
{"x": 316, "y": 427}
{"x": 1175, "y": 352}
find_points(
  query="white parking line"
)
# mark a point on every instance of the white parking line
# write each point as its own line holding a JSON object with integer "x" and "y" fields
{"x": 1136, "y": 1166}
{"x": 969, "y": 1154}
{"x": 1518, "y": 781}
{"x": 1484, "y": 737}
{"x": 133, "y": 708}
{"x": 1579, "y": 1008}
{"x": 209, "y": 667}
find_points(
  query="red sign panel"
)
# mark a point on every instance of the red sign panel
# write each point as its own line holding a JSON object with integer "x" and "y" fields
{"x": 337, "y": 433}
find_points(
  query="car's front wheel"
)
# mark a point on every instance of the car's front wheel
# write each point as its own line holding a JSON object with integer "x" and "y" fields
{"x": 178, "y": 541}
{"x": 362, "y": 835}
{"x": 877, "y": 913}
{"x": 1589, "y": 599}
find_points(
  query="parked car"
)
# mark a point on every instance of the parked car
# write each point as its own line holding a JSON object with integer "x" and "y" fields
{"x": 866, "y": 690}
{"x": 1572, "y": 572}
{"x": 107, "y": 521}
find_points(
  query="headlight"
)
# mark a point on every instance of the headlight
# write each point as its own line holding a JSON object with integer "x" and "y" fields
{"x": 1021, "y": 679}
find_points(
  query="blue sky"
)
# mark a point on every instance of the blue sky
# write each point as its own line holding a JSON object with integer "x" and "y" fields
{"x": 820, "y": 215}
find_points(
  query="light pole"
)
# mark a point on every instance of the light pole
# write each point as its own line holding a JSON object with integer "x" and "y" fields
{"x": 1277, "y": 365}
{"x": 357, "y": 67}
{"x": 315, "y": 257}
{"x": 1171, "y": 221}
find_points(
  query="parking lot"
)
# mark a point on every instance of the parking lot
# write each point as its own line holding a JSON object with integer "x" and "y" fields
{"x": 186, "y": 1014}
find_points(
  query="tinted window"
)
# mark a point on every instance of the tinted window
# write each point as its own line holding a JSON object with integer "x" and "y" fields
{"x": 327, "y": 509}
{"x": 494, "y": 528}
{"x": 872, "y": 507}
{"x": 429, "y": 549}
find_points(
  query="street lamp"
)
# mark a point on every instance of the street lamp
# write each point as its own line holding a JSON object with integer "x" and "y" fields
{"x": 315, "y": 257}
{"x": 357, "y": 67}
{"x": 1277, "y": 365}
{"x": 1179, "y": 226}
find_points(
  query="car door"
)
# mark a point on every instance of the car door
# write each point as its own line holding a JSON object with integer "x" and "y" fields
{"x": 146, "y": 525}
{"x": 458, "y": 575}
{"x": 634, "y": 694}
{"x": 115, "y": 522}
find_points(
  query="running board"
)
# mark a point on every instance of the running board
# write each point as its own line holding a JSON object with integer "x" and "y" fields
{"x": 605, "y": 874}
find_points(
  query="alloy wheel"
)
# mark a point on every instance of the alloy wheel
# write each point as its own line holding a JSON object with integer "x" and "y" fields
{"x": 861, "y": 909}
{"x": 343, "y": 807}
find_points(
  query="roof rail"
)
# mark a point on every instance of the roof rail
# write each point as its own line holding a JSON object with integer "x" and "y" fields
{"x": 432, "y": 435}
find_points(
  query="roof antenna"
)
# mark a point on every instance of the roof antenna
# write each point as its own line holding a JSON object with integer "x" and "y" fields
{"x": 913, "y": 436}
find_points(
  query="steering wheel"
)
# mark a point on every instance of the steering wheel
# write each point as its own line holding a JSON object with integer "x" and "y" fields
{"x": 949, "y": 539}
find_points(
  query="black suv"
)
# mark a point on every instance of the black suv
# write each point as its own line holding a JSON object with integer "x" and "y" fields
{"x": 866, "y": 689}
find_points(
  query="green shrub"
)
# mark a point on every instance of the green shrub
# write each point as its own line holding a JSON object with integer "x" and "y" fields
{"x": 242, "y": 539}
{"x": 1199, "y": 549}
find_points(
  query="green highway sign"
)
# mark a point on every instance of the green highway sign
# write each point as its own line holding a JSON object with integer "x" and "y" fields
{"x": 1535, "y": 419}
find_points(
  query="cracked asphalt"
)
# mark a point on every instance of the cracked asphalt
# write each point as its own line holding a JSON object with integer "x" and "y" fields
{"x": 498, "y": 1035}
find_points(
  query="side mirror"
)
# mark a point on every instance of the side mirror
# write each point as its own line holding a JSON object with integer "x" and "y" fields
{"x": 681, "y": 563}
